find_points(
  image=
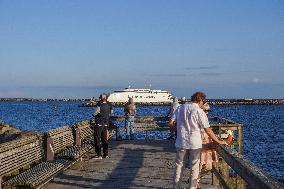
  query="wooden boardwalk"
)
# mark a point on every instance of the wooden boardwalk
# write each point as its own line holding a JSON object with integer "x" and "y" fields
{"x": 132, "y": 164}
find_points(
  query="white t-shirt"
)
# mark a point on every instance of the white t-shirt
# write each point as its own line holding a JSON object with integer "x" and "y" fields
{"x": 190, "y": 120}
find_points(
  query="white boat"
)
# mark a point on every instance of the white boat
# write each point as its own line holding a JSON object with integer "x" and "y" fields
{"x": 140, "y": 96}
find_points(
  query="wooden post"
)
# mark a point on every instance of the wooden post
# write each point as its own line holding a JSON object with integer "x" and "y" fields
{"x": 240, "y": 139}
{"x": 214, "y": 178}
{"x": 78, "y": 136}
{"x": 240, "y": 182}
{"x": 225, "y": 170}
{"x": 49, "y": 149}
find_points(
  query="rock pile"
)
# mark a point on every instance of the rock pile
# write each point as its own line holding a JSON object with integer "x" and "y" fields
{"x": 8, "y": 132}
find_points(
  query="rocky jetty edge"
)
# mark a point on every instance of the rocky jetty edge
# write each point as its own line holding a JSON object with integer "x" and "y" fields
{"x": 91, "y": 102}
{"x": 210, "y": 101}
{"x": 10, "y": 132}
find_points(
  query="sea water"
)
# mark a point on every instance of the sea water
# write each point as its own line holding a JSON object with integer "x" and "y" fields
{"x": 263, "y": 125}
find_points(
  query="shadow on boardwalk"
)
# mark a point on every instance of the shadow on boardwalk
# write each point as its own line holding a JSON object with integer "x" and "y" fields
{"x": 132, "y": 164}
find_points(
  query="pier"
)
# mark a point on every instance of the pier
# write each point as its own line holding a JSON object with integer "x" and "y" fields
{"x": 63, "y": 158}
{"x": 132, "y": 164}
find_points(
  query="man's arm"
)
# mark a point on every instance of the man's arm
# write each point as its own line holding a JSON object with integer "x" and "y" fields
{"x": 98, "y": 110}
{"x": 211, "y": 134}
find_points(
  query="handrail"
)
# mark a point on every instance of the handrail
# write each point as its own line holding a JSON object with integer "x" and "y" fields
{"x": 140, "y": 118}
{"x": 254, "y": 176}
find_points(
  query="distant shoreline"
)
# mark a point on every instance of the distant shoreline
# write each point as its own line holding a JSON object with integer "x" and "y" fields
{"x": 44, "y": 99}
{"x": 210, "y": 101}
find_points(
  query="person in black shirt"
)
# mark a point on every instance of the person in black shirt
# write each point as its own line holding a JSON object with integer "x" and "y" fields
{"x": 102, "y": 121}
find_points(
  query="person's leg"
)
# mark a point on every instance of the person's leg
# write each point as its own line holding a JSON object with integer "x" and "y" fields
{"x": 127, "y": 128}
{"x": 131, "y": 130}
{"x": 97, "y": 139}
{"x": 105, "y": 141}
{"x": 194, "y": 163}
{"x": 181, "y": 155}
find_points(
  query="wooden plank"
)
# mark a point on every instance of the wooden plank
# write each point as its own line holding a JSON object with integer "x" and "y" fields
{"x": 62, "y": 141}
{"x": 37, "y": 175}
{"x": 132, "y": 164}
{"x": 19, "y": 162}
{"x": 17, "y": 143}
{"x": 20, "y": 157}
{"x": 14, "y": 160}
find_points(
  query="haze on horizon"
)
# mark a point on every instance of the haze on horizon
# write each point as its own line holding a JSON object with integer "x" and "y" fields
{"x": 79, "y": 49}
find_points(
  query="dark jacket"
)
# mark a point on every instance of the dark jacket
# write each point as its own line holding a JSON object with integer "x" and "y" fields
{"x": 103, "y": 117}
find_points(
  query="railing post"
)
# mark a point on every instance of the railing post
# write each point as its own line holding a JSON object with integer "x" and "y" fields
{"x": 214, "y": 178}
{"x": 225, "y": 170}
{"x": 240, "y": 139}
{"x": 240, "y": 182}
{"x": 49, "y": 149}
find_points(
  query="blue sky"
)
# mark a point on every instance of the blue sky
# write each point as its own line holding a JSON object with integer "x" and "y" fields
{"x": 78, "y": 49}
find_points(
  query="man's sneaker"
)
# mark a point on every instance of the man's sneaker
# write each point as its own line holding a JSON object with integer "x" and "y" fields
{"x": 97, "y": 157}
{"x": 106, "y": 156}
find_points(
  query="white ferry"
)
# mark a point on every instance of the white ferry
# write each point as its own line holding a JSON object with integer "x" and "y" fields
{"x": 141, "y": 96}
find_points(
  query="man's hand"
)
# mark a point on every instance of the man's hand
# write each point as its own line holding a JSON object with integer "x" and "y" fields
{"x": 211, "y": 134}
{"x": 223, "y": 142}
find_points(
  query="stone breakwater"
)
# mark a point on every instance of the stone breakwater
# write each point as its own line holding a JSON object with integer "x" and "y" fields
{"x": 246, "y": 101}
{"x": 44, "y": 99}
{"x": 9, "y": 133}
{"x": 210, "y": 101}
{"x": 91, "y": 102}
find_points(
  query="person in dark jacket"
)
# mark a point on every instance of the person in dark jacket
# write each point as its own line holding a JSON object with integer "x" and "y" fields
{"x": 102, "y": 121}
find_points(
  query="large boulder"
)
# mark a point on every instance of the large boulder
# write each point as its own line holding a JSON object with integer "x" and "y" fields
{"x": 8, "y": 132}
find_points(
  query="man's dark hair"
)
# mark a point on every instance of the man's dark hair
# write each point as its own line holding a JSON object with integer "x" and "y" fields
{"x": 198, "y": 96}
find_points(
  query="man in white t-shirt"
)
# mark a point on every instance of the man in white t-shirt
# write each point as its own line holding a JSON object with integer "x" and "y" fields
{"x": 189, "y": 120}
